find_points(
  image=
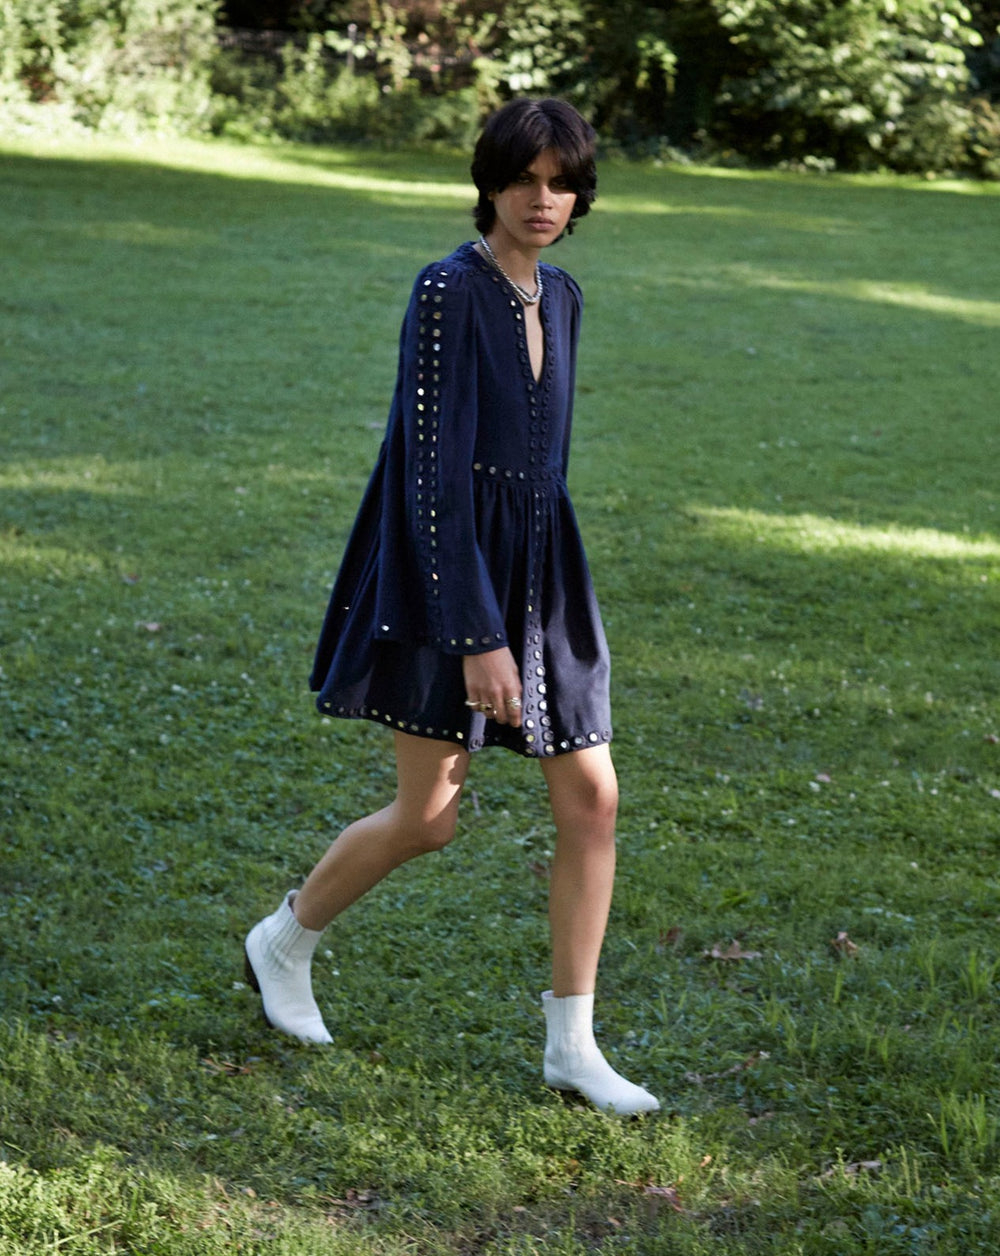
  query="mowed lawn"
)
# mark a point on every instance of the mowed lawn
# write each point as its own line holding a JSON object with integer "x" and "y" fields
{"x": 786, "y": 472}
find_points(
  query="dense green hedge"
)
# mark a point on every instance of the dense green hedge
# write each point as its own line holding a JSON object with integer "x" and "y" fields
{"x": 909, "y": 85}
{"x": 120, "y": 66}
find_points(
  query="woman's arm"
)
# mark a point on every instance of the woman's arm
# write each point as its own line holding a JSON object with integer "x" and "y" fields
{"x": 433, "y": 573}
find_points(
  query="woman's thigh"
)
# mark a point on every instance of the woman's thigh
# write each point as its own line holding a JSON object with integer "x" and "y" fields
{"x": 583, "y": 788}
{"x": 430, "y": 775}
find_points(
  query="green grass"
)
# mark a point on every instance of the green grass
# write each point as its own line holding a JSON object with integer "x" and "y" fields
{"x": 785, "y": 466}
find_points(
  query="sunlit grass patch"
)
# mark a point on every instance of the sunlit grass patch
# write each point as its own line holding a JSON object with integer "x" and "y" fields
{"x": 811, "y": 533}
{"x": 911, "y": 296}
{"x": 382, "y": 175}
{"x": 23, "y": 552}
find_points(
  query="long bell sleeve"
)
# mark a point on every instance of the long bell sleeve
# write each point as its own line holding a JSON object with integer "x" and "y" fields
{"x": 433, "y": 585}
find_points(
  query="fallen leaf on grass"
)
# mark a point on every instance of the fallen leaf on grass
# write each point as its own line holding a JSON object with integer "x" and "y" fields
{"x": 227, "y": 1067}
{"x": 355, "y": 1199}
{"x": 150, "y": 626}
{"x": 700, "y": 1078}
{"x": 853, "y": 1169}
{"x": 732, "y": 952}
{"x": 670, "y": 937}
{"x": 539, "y": 869}
{"x": 664, "y": 1195}
{"x": 843, "y": 945}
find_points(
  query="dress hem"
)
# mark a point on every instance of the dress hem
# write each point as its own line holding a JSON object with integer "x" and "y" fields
{"x": 472, "y": 742}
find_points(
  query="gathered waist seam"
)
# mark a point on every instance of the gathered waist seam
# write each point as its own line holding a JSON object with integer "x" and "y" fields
{"x": 517, "y": 477}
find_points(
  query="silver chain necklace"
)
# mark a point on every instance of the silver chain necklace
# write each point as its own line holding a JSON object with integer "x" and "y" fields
{"x": 527, "y": 297}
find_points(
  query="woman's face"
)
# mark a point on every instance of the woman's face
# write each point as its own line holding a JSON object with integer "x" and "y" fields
{"x": 533, "y": 210}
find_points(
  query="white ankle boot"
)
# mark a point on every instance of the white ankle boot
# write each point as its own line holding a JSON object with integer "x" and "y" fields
{"x": 278, "y": 957}
{"x": 573, "y": 1060}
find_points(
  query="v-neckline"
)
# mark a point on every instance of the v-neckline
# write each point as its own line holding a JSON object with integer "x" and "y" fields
{"x": 537, "y": 381}
{"x": 545, "y": 346}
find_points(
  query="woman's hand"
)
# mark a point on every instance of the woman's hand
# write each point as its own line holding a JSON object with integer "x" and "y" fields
{"x": 493, "y": 685}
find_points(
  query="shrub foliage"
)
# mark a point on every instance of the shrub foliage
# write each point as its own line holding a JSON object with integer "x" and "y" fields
{"x": 144, "y": 63}
{"x": 859, "y": 83}
{"x": 909, "y": 85}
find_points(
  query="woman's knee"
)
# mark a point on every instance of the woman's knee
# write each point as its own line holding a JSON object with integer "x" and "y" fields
{"x": 423, "y": 834}
{"x": 588, "y": 803}
{"x": 597, "y": 800}
{"x": 434, "y": 834}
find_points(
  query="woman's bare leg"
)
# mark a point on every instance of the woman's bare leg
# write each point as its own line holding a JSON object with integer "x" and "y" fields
{"x": 421, "y": 818}
{"x": 583, "y": 791}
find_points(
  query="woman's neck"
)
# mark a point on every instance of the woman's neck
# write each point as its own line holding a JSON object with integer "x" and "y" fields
{"x": 517, "y": 260}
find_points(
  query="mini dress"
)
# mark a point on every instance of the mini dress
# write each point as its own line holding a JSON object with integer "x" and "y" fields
{"x": 466, "y": 539}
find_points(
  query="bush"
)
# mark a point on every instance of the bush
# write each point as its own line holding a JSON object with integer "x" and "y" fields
{"x": 311, "y": 98}
{"x": 868, "y": 83}
{"x": 909, "y": 85}
{"x": 355, "y": 107}
{"x": 984, "y": 139}
{"x": 930, "y": 135}
{"x": 243, "y": 95}
{"x": 133, "y": 64}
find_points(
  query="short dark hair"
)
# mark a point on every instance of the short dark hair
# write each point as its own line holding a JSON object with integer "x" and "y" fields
{"x": 514, "y": 136}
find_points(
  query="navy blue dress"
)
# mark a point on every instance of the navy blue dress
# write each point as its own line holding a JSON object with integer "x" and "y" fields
{"x": 466, "y": 539}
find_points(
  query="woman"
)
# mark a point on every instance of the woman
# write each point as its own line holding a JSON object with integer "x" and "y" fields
{"x": 463, "y": 614}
